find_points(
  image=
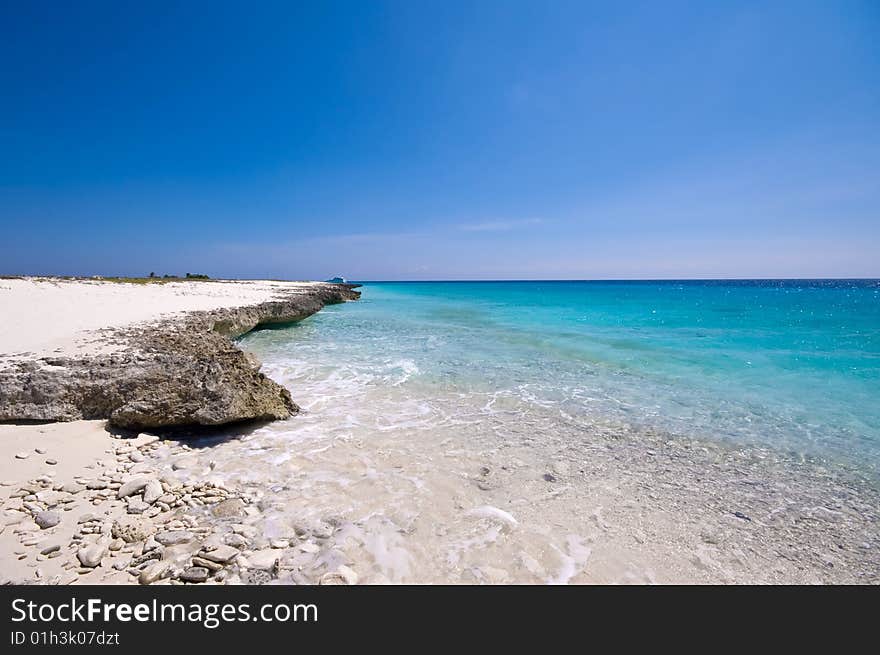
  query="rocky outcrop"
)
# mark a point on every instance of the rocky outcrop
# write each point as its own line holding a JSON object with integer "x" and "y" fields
{"x": 185, "y": 372}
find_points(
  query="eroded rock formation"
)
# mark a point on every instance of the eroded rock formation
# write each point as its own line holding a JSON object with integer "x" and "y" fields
{"x": 183, "y": 372}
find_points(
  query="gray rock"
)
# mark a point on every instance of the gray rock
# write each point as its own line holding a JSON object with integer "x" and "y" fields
{"x": 235, "y": 540}
{"x": 154, "y": 572}
{"x": 229, "y": 508}
{"x": 133, "y": 486}
{"x": 221, "y": 554}
{"x": 91, "y": 556}
{"x": 47, "y": 519}
{"x": 153, "y": 491}
{"x": 206, "y": 564}
{"x": 173, "y": 537}
{"x": 137, "y": 506}
{"x": 264, "y": 560}
{"x": 194, "y": 574}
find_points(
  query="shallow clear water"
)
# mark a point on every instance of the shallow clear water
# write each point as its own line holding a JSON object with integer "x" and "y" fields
{"x": 793, "y": 365}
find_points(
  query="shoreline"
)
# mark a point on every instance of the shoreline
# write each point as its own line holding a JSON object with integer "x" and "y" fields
{"x": 593, "y": 503}
{"x": 629, "y": 506}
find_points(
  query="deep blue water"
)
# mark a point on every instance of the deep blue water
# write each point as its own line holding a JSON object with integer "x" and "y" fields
{"x": 794, "y": 365}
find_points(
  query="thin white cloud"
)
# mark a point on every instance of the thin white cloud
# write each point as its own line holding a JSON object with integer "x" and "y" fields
{"x": 499, "y": 226}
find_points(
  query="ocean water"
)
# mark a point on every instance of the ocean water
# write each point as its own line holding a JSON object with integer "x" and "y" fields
{"x": 793, "y": 366}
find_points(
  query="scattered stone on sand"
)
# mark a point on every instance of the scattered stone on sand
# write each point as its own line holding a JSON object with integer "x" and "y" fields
{"x": 221, "y": 554}
{"x": 47, "y": 519}
{"x": 206, "y": 564}
{"x": 153, "y": 491}
{"x": 137, "y": 506}
{"x": 132, "y": 486}
{"x": 229, "y": 508}
{"x": 131, "y": 528}
{"x": 235, "y": 540}
{"x": 174, "y": 537}
{"x": 154, "y": 572}
{"x": 342, "y": 575}
{"x": 263, "y": 559}
{"x": 91, "y": 556}
{"x": 194, "y": 574}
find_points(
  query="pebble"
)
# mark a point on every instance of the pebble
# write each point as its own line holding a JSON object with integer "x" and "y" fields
{"x": 47, "y": 519}
{"x": 91, "y": 556}
{"x": 342, "y": 575}
{"x": 50, "y": 549}
{"x": 136, "y": 506}
{"x": 22, "y": 455}
{"x": 51, "y": 462}
{"x": 40, "y": 451}
{"x": 136, "y": 457}
{"x": 132, "y": 487}
{"x": 173, "y": 537}
{"x": 207, "y": 564}
{"x": 235, "y": 540}
{"x": 153, "y": 491}
{"x": 132, "y": 528}
{"x": 154, "y": 572}
{"x": 229, "y": 508}
{"x": 221, "y": 554}
{"x": 263, "y": 559}
{"x": 72, "y": 488}
{"x": 247, "y": 531}
{"x": 194, "y": 574}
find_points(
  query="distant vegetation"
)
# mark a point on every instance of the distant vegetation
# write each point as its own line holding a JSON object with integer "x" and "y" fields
{"x": 153, "y": 278}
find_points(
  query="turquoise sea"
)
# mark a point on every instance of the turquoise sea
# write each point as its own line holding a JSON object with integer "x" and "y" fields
{"x": 789, "y": 365}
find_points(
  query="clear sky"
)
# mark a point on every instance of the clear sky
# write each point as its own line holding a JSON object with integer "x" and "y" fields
{"x": 441, "y": 140}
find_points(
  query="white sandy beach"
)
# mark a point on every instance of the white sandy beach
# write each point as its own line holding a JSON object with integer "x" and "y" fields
{"x": 60, "y": 317}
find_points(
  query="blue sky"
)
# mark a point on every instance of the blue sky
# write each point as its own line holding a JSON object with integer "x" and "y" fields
{"x": 422, "y": 140}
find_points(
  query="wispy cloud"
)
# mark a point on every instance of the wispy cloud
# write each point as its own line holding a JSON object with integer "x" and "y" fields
{"x": 499, "y": 226}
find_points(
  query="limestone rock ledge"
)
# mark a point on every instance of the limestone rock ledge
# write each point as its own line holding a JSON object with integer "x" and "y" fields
{"x": 183, "y": 372}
